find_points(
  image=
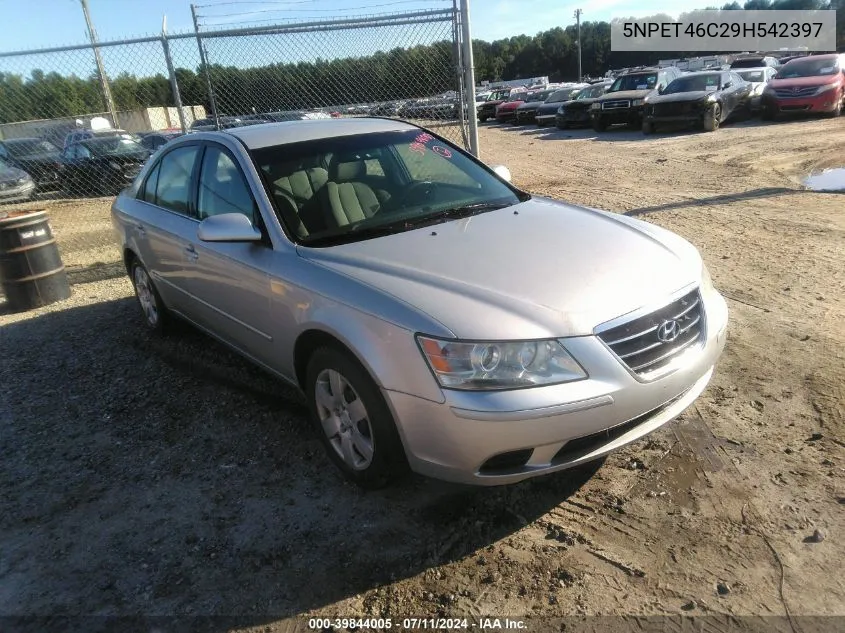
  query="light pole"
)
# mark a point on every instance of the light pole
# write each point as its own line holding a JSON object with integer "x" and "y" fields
{"x": 578, "y": 19}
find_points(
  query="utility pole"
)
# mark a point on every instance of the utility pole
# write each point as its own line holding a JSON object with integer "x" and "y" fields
{"x": 578, "y": 19}
{"x": 469, "y": 79}
{"x": 174, "y": 85}
{"x": 101, "y": 71}
{"x": 211, "y": 100}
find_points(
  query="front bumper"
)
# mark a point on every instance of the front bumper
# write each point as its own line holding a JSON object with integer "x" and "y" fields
{"x": 21, "y": 193}
{"x": 504, "y": 117}
{"x": 825, "y": 102}
{"x": 554, "y": 427}
{"x": 619, "y": 115}
{"x": 545, "y": 119}
{"x": 526, "y": 117}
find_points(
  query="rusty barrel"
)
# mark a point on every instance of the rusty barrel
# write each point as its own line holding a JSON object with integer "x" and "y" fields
{"x": 31, "y": 269}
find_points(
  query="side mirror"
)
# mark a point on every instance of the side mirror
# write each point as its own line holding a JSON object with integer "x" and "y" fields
{"x": 502, "y": 172}
{"x": 228, "y": 227}
{"x": 728, "y": 84}
{"x": 660, "y": 90}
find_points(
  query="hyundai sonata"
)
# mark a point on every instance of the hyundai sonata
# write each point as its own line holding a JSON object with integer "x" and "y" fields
{"x": 436, "y": 317}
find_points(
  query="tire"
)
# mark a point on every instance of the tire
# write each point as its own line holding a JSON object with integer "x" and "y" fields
{"x": 155, "y": 314}
{"x": 648, "y": 127}
{"x": 766, "y": 113}
{"x": 367, "y": 450}
{"x": 482, "y": 119}
{"x": 599, "y": 125}
{"x": 712, "y": 118}
{"x": 837, "y": 111}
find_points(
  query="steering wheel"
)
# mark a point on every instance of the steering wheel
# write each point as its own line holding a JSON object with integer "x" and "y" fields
{"x": 426, "y": 187}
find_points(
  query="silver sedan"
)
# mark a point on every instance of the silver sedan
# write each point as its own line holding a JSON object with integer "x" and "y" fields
{"x": 437, "y": 318}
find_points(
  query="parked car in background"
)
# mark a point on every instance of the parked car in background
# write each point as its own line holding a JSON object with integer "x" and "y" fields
{"x": 226, "y": 122}
{"x": 811, "y": 84}
{"x": 623, "y": 102}
{"x": 102, "y": 165}
{"x": 526, "y": 112}
{"x": 754, "y": 61}
{"x": 389, "y": 108}
{"x": 506, "y": 111}
{"x": 438, "y": 108}
{"x": 759, "y": 79}
{"x": 545, "y": 113}
{"x": 576, "y": 112}
{"x": 706, "y": 99}
{"x": 411, "y": 350}
{"x": 291, "y": 115}
{"x": 15, "y": 184}
{"x": 80, "y": 135}
{"x": 35, "y": 156}
{"x": 153, "y": 140}
{"x": 487, "y": 110}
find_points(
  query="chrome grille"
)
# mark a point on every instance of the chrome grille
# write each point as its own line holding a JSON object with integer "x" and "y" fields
{"x": 636, "y": 343}
{"x": 795, "y": 93}
{"x": 618, "y": 104}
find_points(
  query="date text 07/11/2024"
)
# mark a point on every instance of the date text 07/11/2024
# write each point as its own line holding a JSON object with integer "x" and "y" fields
{"x": 441, "y": 624}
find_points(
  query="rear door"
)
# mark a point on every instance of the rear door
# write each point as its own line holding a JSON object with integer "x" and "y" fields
{"x": 227, "y": 281}
{"x": 164, "y": 223}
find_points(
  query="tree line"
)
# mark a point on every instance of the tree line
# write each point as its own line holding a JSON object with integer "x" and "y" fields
{"x": 400, "y": 73}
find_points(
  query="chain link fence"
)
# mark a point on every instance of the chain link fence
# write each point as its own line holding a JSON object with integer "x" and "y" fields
{"x": 80, "y": 121}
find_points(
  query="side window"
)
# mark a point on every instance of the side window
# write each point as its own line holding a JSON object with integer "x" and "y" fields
{"x": 150, "y": 185}
{"x": 173, "y": 190}
{"x": 222, "y": 187}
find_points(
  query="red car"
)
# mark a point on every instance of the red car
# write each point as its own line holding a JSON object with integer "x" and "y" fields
{"x": 507, "y": 111}
{"x": 815, "y": 83}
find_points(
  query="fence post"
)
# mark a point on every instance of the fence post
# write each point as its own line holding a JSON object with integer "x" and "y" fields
{"x": 469, "y": 79}
{"x": 207, "y": 71}
{"x": 98, "y": 60}
{"x": 174, "y": 84}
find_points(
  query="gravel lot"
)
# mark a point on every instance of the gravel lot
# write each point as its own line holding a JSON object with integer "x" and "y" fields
{"x": 156, "y": 477}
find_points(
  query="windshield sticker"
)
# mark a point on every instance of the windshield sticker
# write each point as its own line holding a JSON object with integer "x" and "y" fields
{"x": 419, "y": 143}
{"x": 642, "y": 86}
{"x": 442, "y": 151}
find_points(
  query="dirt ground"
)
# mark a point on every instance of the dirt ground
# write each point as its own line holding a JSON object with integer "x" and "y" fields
{"x": 157, "y": 477}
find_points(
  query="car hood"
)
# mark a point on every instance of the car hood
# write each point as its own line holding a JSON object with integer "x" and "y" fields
{"x": 625, "y": 94}
{"x": 577, "y": 104}
{"x": 45, "y": 157}
{"x": 536, "y": 269}
{"x": 699, "y": 95}
{"x": 800, "y": 82}
{"x": 548, "y": 108}
{"x": 532, "y": 105}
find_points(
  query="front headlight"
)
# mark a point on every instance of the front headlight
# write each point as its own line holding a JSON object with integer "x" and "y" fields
{"x": 826, "y": 88}
{"x": 492, "y": 365}
{"x": 636, "y": 102}
{"x": 595, "y": 106}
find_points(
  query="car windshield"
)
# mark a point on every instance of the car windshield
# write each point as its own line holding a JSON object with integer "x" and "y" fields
{"x": 694, "y": 83}
{"x": 634, "y": 82}
{"x": 538, "y": 96}
{"x": 748, "y": 63}
{"x": 560, "y": 95}
{"x": 376, "y": 184}
{"x": 808, "y": 68}
{"x": 30, "y": 147}
{"x": 113, "y": 145}
{"x": 591, "y": 92}
{"x": 518, "y": 96}
{"x": 753, "y": 75}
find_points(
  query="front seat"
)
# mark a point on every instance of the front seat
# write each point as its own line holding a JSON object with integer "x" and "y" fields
{"x": 345, "y": 198}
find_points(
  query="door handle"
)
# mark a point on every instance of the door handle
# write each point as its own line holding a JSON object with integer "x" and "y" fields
{"x": 191, "y": 253}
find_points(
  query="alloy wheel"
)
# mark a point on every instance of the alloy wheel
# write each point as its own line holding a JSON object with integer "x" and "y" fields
{"x": 344, "y": 419}
{"x": 146, "y": 296}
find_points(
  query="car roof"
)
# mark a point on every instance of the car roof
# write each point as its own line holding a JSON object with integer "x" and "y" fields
{"x": 824, "y": 56}
{"x": 715, "y": 71}
{"x": 268, "y": 134}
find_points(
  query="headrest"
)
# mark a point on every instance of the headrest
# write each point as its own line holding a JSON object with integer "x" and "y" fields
{"x": 352, "y": 170}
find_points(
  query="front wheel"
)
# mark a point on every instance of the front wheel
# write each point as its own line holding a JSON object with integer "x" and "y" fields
{"x": 837, "y": 110}
{"x": 353, "y": 420}
{"x": 767, "y": 113}
{"x": 599, "y": 125}
{"x": 712, "y": 118}
{"x": 648, "y": 127}
{"x": 482, "y": 119}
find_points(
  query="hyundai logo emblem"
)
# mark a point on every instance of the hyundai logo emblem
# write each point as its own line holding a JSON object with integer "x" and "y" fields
{"x": 668, "y": 331}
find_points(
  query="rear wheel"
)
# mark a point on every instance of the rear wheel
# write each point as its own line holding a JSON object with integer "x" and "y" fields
{"x": 712, "y": 118}
{"x": 354, "y": 422}
{"x": 156, "y": 316}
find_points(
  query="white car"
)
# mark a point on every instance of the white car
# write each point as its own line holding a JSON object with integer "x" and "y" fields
{"x": 759, "y": 79}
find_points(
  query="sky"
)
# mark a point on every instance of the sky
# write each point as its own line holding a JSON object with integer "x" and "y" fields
{"x": 61, "y": 22}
